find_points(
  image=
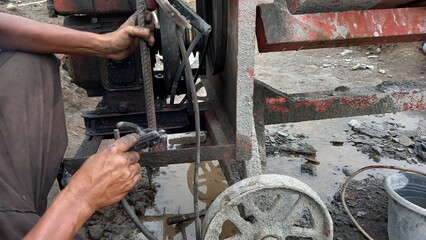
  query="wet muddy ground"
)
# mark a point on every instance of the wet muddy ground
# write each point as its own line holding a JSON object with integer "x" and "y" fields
{"x": 366, "y": 196}
{"x": 290, "y": 72}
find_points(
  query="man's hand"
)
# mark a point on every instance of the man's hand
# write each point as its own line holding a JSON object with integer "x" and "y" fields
{"x": 126, "y": 39}
{"x": 107, "y": 176}
{"x": 104, "y": 179}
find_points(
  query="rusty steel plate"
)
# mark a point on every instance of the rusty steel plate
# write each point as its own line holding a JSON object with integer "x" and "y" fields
{"x": 317, "y": 6}
{"x": 94, "y": 7}
{"x": 278, "y": 30}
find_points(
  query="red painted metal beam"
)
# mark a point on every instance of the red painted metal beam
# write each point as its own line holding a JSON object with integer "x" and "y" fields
{"x": 320, "y": 6}
{"x": 278, "y": 30}
{"x": 94, "y": 7}
{"x": 387, "y": 97}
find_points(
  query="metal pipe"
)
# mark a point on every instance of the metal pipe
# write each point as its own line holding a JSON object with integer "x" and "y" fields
{"x": 184, "y": 217}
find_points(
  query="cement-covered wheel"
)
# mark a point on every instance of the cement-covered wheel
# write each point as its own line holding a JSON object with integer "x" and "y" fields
{"x": 268, "y": 207}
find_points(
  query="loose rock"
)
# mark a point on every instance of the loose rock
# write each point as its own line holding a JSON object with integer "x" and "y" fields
{"x": 361, "y": 213}
{"x": 342, "y": 89}
{"x": 377, "y": 149}
{"x": 337, "y": 142}
{"x": 346, "y": 52}
{"x": 354, "y": 123}
{"x": 362, "y": 66}
{"x": 406, "y": 141}
{"x": 309, "y": 168}
{"x": 301, "y": 148}
{"x": 11, "y": 6}
{"x": 385, "y": 139}
{"x": 347, "y": 172}
{"x": 312, "y": 160}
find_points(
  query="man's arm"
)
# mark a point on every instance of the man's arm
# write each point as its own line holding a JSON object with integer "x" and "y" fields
{"x": 18, "y": 33}
{"x": 102, "y": 180}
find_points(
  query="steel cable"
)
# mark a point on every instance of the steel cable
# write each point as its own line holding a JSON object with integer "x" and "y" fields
{"x": 191, "y": 84}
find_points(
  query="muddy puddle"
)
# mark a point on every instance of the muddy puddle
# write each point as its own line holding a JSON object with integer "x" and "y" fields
{"x": 335, "y": 160}
{"x": 174, "y": 183}
{"x": 174, "y": 195}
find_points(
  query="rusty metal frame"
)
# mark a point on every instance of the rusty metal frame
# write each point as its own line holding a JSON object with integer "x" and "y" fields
{"x": 387, "y": 97}
{"x": 279, "y": 30}
{"x": 238, "y": 107}
{"x": 220, "y": 146}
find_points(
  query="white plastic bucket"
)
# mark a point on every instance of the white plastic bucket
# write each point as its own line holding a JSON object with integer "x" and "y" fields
{"x": 407, "y": 206}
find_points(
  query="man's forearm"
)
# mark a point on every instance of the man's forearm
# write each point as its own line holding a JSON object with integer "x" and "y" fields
{"x": 63, "y": 219}
{"x": 19, "y": 33}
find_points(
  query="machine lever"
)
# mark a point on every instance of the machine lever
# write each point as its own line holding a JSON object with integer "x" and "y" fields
{"x": 173, "y": 13}
{"x": 180, "y": 13}
{"x": 194, "y": 19}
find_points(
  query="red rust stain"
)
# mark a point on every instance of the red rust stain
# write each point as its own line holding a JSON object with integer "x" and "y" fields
{"x": 419, "y": 105}
{"x": 226, "y": 155}
{"x": 279, "y": 109}
{"x": 400, "y": 95}
{"x": 276, "y": 100}
{"x": 299, "y": 104}
{"x": 251, "y": 73}
{"x": 410, "y": 100}
{"x": 248, "y": 146}
{"x": 277, "y": 104}
{"x": 319, "y": 105}
{"x": 360, "y": 101}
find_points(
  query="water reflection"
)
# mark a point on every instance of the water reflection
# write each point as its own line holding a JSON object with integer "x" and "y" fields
{"x": 211, "y": 181}
{"x": 175, "y": 189}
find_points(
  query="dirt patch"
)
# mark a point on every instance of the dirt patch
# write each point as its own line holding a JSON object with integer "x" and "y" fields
{"x": 113, "y": 223}
{"x": 368, "y": 201}
{"x": 35, "y": 10}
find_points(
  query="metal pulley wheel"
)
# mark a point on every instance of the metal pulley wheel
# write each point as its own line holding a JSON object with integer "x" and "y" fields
{"x": 268, "y": 207}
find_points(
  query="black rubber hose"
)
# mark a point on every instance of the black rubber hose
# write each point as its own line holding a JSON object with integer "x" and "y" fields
{"x": 123, "y": 201}
{"x": 201, "y": 62}
{"x": 182, "y": 65}
{"x": 136, "y": 220}
{"x": 191, "y": 84}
